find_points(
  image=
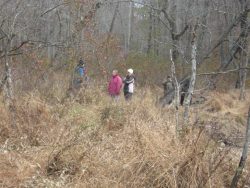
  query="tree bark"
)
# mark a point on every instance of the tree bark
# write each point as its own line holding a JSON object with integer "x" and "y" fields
{"x": 157, "y": 29}
{"x": 193, "y": 77}
{"x": 244, "y": 50}
{"x": 227, "y": 31}
{"x": 177, "y": 94}
{"x": 112, "y": 24}
{"x": 113, "y": 19}
{"x": 243, "y": 78}
{"x": 130, "y": 19}
{"x": 243, "y": 159}
{"x": 9, "y": 87}
{"x": 2, "y": 83}
{"x": 173, "y": 26}
{"x": 150, "y": 31}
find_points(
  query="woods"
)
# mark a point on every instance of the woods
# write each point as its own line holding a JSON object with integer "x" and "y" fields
{"x": 182, "y": 66}
{"x": 70, "y": 30}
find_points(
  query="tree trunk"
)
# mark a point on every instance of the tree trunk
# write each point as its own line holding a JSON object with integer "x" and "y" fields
{"x": 222, "y": 55}
{"x": 150, "y": 31}
{"x": 130, "y": 19}
{"x": 193, "y": 77}
{"x": 2, "y": 83}
{"x": 9, "y": 87}
{"x": 244, "y": 51}
{"x": 177, "y": 94}
{"x": 113, "y": 19}
{"x": 175, "y": 44}
{"x": 243, "y": 159}
{"x": 157, "y": 31}
{"x": 201, "y": 39}
{"x": 112, "y": 25}
{"x": 243, "y": 73}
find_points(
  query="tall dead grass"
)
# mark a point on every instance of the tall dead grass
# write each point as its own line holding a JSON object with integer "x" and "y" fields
{"x": 96, "y": 142}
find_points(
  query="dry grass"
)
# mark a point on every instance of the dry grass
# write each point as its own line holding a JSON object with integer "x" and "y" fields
{"x": 95, "y": 142}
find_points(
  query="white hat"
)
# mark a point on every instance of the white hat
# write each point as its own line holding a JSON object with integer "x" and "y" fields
{"x": 130, "y": 71}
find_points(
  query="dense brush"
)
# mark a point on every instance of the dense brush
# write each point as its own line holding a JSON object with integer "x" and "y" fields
{"x": 96, "y": 142}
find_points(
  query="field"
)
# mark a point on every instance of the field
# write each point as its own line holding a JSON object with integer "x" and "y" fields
{"x": 92, "y": 141}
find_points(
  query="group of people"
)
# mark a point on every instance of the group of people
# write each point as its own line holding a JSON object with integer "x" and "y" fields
{"x": 115, "y": 84}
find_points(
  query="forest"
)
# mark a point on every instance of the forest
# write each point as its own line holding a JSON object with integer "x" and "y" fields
{"x": 125, "y": 93}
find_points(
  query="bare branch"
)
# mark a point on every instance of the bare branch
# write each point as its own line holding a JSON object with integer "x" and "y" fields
{"x": 20, "y": 46}
{"x": 177, "y": 36}
{"x": 228, "y": 30}
{"x": 223, "y": 72}
{"x": 53, "y": 8}
{"x": 165, "y": 24}
{"x": 170, "y": 20}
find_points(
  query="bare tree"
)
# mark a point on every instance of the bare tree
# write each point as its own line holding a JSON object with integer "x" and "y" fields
{"x": 130, "y": 22}
{"x": 150, "y": 29}
{"x": 244, "y": 52}
{"x": 243, "y": 159}
{"x": 188, "y": 99}
{"x": 177, "y": 94}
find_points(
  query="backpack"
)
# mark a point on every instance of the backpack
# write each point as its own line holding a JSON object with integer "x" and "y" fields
{"x": 80, "y": 71}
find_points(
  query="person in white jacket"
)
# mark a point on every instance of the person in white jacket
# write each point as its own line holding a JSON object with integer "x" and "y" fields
{"x": 129, "y": 83}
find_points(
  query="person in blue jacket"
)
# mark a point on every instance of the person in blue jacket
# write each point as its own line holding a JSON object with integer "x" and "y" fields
{"x": 79, "y": 74}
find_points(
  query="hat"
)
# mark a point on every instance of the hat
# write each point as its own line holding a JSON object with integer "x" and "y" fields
{"x": 81, "y": 62}
{"x": 130, "y": 71}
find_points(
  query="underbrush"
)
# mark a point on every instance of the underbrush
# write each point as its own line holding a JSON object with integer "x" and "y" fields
{"x": 93, "y": 141}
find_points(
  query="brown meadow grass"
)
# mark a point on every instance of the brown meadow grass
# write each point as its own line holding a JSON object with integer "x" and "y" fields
{"x": 92, "y": 141}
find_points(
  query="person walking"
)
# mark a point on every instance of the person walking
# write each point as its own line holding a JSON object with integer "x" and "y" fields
{"x": 169, "y": 91}
{"x": 79, "y": 75}
{"x": 115, "y": 85}
{"x": 129, "y": 82}
{"x": 184, "y": 90}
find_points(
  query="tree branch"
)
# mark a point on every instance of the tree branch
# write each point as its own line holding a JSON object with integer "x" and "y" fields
{"x": 223, "y": 72}
{"x": 170, "y": 20}
{"x": 177, "y": 36}
{"x": 20, "y": 46}
{"x": 165, "y": 24}
{"x": 53, "y": 8}
{"x": 228, "y": 30}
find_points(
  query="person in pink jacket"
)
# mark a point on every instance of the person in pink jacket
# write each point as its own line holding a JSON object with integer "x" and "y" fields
{"x": 115, "y": 85}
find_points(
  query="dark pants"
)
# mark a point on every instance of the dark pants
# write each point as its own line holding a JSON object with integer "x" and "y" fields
{"x": 128, "y": 96}
{"x": 77, "y": 83}
{"x": 182, "y": 98}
